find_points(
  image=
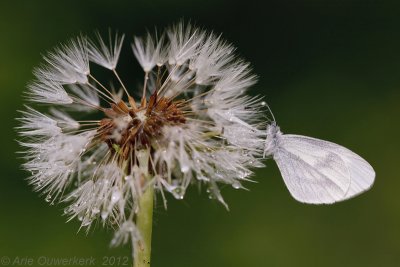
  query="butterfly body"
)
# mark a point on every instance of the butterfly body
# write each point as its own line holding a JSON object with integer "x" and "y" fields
{"x": 272, "y": 143}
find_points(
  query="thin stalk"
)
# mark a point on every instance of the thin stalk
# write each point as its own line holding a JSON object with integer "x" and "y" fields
{"x": 144, "y": 217}
{"x": 120, "y": 81}
{"x": 146, "y": 77}
{"x": 144, "y": 223}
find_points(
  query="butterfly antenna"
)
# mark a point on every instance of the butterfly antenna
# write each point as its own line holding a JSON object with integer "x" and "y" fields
{"x": 270, "y": 111}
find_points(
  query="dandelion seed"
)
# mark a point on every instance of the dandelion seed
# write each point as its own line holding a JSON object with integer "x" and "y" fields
{"x": 106, "y": 54}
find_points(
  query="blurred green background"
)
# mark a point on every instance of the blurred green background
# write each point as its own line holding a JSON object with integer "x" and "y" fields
{"x": 328, "y": 69}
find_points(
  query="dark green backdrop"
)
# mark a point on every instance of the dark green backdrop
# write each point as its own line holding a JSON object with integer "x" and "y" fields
{"x": 329, "y": 69}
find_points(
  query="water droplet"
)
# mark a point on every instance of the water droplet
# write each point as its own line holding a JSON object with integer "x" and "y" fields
{"x": 244, "y": 174}
{"x": 128, "y": 177}
{"x": 68, "y": 210}
{"x": 178, "y": 192}
{"x": 263, "y": 103}
{"x": 95, "y": 210}
{"x": 184, "y": 168}
{"x": 104, "y": 215}
{"x": 115, "y": 196}
{"x": 48, "y": 198}
{"x": 203, "y": 178}
{"x": 236, "y": 185}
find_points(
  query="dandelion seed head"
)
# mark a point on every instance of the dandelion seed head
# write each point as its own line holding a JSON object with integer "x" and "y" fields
{"x": 192, "y": 123}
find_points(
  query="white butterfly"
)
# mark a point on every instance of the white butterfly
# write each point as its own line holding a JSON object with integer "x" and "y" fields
{"x": 317, "y": 171}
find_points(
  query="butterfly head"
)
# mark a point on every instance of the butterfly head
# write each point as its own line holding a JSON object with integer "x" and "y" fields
{"x": 272, "y": 140}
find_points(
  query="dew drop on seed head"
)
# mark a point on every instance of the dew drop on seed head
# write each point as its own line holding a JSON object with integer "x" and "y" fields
{"x": 115, "y": 196}
{"x": 130, "y": 229}
{"x": 178, "y": 192}
{"x": 203, "y": 178}
{"x": 243, "y": 174}
{"x": 48, "y": 198}
{"x": 95, "y": 210}
{"x": 236, "y": 185}
{"x": 184, "y": 168}
{"x": 104, "y": 215}
{"x": 68, "y": 210}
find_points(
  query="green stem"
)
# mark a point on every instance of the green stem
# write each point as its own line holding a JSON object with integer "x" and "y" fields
{"x": 144, "y": 223}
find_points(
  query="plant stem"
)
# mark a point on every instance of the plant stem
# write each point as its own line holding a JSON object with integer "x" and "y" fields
{"x": 144, "y": 223}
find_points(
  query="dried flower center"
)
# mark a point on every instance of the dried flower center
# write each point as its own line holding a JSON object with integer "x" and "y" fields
{"x": 128, "y": 128}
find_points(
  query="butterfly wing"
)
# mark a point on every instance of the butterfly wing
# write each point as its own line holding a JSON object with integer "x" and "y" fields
{"x": 361, "y": 172}
{"x": 320, "y": 172}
